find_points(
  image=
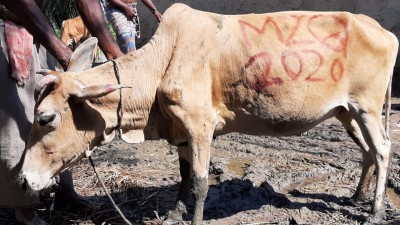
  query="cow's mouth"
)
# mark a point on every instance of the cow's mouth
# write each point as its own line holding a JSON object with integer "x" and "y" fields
{"x": 53, "y": 181}
{"x": 26, "y": 186}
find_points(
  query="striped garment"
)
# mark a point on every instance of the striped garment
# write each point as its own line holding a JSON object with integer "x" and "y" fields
{"x": 126, "y": 30}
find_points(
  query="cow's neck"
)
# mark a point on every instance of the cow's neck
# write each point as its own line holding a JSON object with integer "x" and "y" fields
{"x": 142, "y": 70}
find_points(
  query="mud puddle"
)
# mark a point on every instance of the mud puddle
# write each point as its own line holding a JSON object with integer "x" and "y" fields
{"x": 238, "y": 165}
{"x": 393, "y": 197}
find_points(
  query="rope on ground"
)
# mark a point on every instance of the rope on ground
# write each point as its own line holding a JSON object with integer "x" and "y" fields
{"x": 108, "y": 194}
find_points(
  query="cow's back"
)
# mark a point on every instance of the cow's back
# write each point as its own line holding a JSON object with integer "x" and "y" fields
{"x": 271, "y": 69}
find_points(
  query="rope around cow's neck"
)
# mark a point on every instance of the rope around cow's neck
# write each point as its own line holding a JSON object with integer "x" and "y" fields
{"x": 118, "y": 127}
{"x": 108, "y": 195}
{"x": 119, "y": 108}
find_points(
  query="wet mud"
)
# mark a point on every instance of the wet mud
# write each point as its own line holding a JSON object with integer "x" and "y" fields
{"x": 304, "y": 179}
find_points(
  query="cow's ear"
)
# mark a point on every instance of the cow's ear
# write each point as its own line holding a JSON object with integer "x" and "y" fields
{"x": 83, "y": 56}
{"x": 95, "y": 91}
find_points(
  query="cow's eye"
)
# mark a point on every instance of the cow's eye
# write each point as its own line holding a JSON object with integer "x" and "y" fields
{"x": 45, "y": 120}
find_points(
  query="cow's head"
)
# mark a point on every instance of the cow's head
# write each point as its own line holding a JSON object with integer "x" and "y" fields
{"x": 64, "y": 125}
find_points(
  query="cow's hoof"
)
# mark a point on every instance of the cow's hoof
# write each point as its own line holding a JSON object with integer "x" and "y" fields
{"x": 362, "y": 196}
{"x": 170, "y": 221}
{"x": 375, "y": 218}
{"x": 349, "y": 202}
{"x": 174, "y": 216}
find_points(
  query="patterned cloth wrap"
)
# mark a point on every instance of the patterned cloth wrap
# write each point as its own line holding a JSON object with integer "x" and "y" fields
{"x": 126, "y": 30}
{"x": 19, "y": 42}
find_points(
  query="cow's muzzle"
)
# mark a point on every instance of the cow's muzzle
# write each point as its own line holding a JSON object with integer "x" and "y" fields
{"x": 26, "y": 187}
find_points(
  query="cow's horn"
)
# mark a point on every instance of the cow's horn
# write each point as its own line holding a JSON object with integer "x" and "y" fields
{"x": 46, "y": 80}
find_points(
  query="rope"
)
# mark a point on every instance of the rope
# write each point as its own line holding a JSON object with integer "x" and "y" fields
{"x": 119, "y": 108}
{"x": 119, "y": 118}
{"x": 108, "y": 194}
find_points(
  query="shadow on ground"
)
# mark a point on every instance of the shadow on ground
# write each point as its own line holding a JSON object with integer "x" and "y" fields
{"x": 224, "y": 199}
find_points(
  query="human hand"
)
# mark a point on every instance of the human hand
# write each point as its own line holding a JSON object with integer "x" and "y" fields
{"x": 129, "y": 13}
{"x": 158, "y": 15}
{"x": 64, "y": 56}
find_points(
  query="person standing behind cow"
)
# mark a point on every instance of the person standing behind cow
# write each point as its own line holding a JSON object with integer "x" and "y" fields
{"x": 19, "y": 61}
{"x": 124, "y": 19}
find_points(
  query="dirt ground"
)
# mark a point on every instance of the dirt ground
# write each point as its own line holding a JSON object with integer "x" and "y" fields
{"x": 304, "y": 179}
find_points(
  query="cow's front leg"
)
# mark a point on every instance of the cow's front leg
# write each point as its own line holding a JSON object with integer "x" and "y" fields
{"x": 201, "y": 161}
{"x": 185, "y": 161}
{"x": 197, "y": 119}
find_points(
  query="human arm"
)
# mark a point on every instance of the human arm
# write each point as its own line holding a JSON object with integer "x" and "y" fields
{"x": 92, "y": 16}
{"x": 128, "y": 11}
{"x": 6, "y": 14}
{"x": 32, "y": 18}
{"x": 149, "y": 4}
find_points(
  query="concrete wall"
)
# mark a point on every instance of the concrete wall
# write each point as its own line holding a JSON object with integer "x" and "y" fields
{"x": 386, "y": 12}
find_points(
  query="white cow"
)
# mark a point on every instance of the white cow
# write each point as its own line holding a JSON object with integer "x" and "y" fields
{"x": 205, "y": 74}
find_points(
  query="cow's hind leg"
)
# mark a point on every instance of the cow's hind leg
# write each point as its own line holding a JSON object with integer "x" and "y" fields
{"x": 379, "y": 144}
{"x": 185, "y": 161}
{"x": 354, "y": 132}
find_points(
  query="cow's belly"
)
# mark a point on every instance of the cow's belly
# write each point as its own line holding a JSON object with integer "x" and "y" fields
{"x": 285, "y": 109}
{"x": 272, "y": 124}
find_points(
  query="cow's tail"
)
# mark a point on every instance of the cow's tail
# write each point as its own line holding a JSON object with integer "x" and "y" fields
{"x": 388, "y": 106}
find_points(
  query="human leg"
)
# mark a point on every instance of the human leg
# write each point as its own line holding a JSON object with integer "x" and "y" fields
{"x": 124, "y": 29}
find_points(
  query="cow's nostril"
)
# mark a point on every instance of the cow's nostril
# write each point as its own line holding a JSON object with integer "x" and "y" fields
{"x": 57, "y": 179}
{"x": 24, "y": 184}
